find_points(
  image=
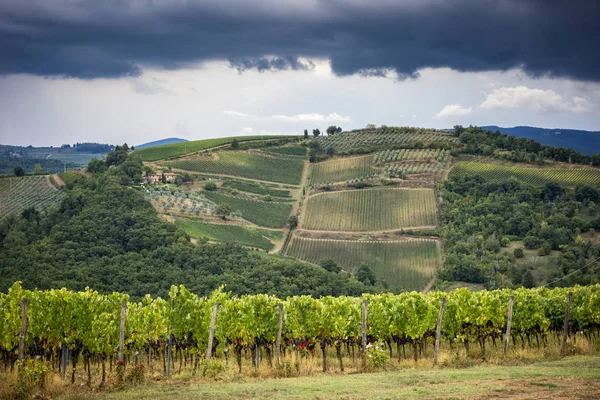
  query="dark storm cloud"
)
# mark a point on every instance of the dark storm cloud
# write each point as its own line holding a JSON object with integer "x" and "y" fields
{"x": 89, "y": 38}
{"x": 271, "y": 64}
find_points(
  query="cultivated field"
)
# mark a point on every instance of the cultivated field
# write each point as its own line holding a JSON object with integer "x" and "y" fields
{"x": 17, "y": 194}
{"x": 270, "y": 214}
{"x": 180, "y": 149}
{"x": 407, "y": 264}
{"x": 251, "y": 165}
{"x": 342, "y": 169}
{"x": 247, "y": 236}
{"x": 289, "y": 150}
{"x": 371, "y": 210}
{"x": 383, "y": 136}
{"x": 533, "y": 176}
{"x": 390, "y": 155}
{"x": 256, "y": 188}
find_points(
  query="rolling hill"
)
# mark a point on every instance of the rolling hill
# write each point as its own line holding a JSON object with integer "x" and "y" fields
{"x": 587, "y": 142}
{"x": 160, "y": 142}
{"x": 416, "y": 207}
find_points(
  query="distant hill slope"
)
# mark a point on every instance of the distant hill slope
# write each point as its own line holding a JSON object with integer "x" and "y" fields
{"x": 160, "y": 142}
{"x": 587, "y": 142}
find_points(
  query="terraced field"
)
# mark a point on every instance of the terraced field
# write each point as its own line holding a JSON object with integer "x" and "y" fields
{"x": 533, "y": 176}
{"x": 17, "y": 194}
{"x": 251, "y": 165}
{"x": 269, "y": 214}
{"x": 371, "y": 210}
{"x": 384, "y": 136}
{"x": 342, "y": 169}
{"x": 390, "y": 155}
{"x": 180, "y": 149}
{"x": 256, "y": 188}
{"x": 407, "y": 264}
{"x": 247, "y": 236}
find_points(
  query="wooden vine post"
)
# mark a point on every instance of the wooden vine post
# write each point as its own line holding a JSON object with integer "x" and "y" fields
{"x": 211, "y": 332}
{"x": 364, "y": 333}
{"x": 122, "y": 332}
{"x": 22, "y": 333}
{"x": 563, "y": 346}
{"x": 438, "y": 331}
{"x": 279, "y": 329}
{"x": 508, "y": 324}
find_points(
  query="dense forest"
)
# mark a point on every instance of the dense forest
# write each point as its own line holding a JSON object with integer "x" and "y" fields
{"x": 107, "y": 236}
{"x": 481, "y": 219}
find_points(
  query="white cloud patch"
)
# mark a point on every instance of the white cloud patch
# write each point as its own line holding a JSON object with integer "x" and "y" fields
{"x": 453, "y": 110}
{"x": 537, "y": 100}
{"x": 310, "y": 117}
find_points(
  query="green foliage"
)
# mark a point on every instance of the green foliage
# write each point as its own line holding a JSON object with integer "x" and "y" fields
{"x": 248, "y": 165}
{"x": 268, "y": 214}
{"x": 210, "y": 186}
{"x": 96, "y": 166}
{"x": 225, "y": 233}
{"x": 518, "y": 253}
{"x": 476, "y": 214}
{"x": 19, "y": 171}
{"x": 180, "y": 149}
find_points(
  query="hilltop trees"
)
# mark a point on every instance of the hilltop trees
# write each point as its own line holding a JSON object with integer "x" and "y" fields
{"x": 316, "y": 132}
{"x": 333, "y": 130}
{"x": 19, "y": 171}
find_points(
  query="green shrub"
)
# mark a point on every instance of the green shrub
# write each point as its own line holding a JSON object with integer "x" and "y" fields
{"x": 210, "y": 186}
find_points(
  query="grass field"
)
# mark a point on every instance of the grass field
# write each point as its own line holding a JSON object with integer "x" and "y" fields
{"x": 247, "y": 236}
{"x": 180, "y": 149}
{"x": 251, "y": 165}
{"x": 289, "y": 150}
{"x": 533, "y": 176}
{"x": 341, "y": 169}
{"x": 406, "y": 264}
{"x": 570, "y": 378}
{"x": 256, "y": 188}
{"x": 371, "y": 210}
{"x": 17, "y": 194}
{"x": 269, "y": 214}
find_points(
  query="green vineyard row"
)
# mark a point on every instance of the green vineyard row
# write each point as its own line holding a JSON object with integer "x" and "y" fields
{"x": 371, "y": 210}
{"x": 89, "y": 321}
{"x": 533, "y": 176}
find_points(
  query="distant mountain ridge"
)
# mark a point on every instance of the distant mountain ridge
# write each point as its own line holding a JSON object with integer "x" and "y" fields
{"x": 586, "y": 142}
{"x": 160, "y": 142}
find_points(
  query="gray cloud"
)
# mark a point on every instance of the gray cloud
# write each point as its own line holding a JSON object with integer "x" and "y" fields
{"x": 89, "y": 39}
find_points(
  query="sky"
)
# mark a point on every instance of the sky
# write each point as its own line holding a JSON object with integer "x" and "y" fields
{"x": 140, "y": 70}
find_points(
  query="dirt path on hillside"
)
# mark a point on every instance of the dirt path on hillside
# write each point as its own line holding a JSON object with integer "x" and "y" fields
{"x": 367, "y": 236}
{"x": 57, "y": 179}
{"x": 299, "y": 198}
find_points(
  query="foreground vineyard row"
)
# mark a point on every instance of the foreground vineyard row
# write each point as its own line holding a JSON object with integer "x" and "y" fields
{"x": 90, "y": 322}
